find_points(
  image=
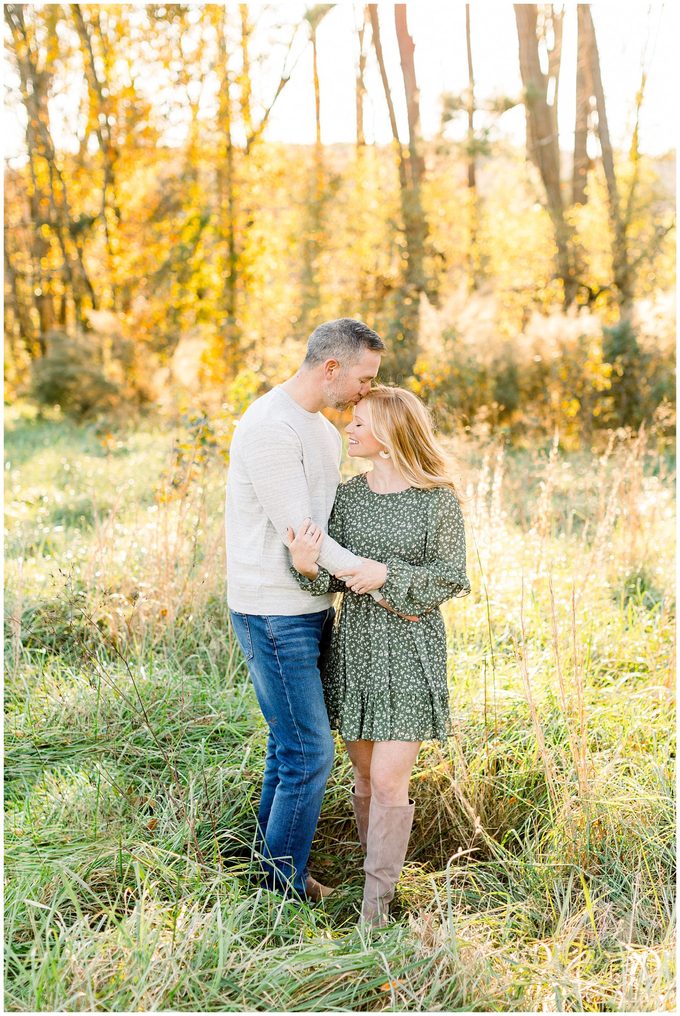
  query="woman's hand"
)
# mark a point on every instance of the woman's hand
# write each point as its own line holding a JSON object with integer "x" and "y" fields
{"x": 406, "y": 617}
{"x": 305, "y": 547}
{"x": 366, "y": 576}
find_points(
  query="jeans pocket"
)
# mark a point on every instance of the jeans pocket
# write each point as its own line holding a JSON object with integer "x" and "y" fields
{"x": 243, "y": 635}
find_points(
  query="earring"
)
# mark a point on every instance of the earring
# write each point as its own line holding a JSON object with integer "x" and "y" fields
{"x": 384, "y": 454}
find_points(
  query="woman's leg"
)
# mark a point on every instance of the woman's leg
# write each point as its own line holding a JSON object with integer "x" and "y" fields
{"x": 391, "y": 766}
{"x": 389, "y": 825}
{"x": 360, "y": 753}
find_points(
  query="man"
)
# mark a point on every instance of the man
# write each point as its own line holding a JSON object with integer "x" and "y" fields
{"x": 283, "y": 469}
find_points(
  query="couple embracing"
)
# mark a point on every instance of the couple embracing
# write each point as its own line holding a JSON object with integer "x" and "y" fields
{"x": 392, "y": 542}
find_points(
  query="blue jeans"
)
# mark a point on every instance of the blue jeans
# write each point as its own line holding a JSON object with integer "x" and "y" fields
{"x": 282, "y": 654}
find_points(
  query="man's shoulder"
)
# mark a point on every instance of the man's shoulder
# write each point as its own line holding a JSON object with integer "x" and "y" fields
{"x": 263, "y": 407}
{"x": 265, "y": 416}
{"x": 330, "y": 428}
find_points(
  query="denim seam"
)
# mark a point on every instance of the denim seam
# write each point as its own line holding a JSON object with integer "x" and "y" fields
{"x": 248, "y": 652}
{"x": 251, "y": 649}
{"x": 291, "y": 826}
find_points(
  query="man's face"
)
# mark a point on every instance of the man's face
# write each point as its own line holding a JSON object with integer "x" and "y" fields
{"x": 345, "y": 386}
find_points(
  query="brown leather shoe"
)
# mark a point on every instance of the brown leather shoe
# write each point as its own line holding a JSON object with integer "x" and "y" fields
{"x": 316, "y": 891}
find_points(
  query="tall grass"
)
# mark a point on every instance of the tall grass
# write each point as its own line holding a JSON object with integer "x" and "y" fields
{"x": 540, "y": 872}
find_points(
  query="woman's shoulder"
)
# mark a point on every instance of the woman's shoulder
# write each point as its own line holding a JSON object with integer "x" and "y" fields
{"x": 443, "y": 500}
{"x": 354, "y": 485}
{"x": 347, "y": 492}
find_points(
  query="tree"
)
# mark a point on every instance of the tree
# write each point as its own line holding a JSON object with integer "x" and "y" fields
{"x": 99, "y": 123}
{"x": 226, "y": 197}
{"x": 583, "y": 93}
{"x": 360, "y": 83}
{"x": 477, "y": 143}
{"x": 403, "y": 327}
{"x": 620, "y": 217}
{"x": 314, "y": 215}
{"x": 473, "y": 204}
{"x": 50, "y": 206}
{"x": 542, "y": 135}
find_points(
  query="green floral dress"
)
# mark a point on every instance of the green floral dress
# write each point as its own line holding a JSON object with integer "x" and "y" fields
{"x": 384, "y": 677}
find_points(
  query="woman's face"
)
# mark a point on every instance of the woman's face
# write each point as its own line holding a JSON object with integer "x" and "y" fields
{"x": 362, "y": 441}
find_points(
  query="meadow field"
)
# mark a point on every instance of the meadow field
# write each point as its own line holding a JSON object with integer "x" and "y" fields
{"x": 540, "y": 875}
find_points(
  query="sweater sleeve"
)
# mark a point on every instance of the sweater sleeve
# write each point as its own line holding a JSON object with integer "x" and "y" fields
{"x": 413, "y": 589}
{"x": 275, "y": 468}
{"x": 324, "y": 581}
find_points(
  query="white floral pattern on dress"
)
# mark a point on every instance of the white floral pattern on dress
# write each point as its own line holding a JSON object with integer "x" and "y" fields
{"x": 384, "y": 678}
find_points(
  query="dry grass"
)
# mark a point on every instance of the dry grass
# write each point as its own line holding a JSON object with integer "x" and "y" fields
{"x": 540, "y": 875}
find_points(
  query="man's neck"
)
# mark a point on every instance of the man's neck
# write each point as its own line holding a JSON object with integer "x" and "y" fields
{"x": 303, "y": 388}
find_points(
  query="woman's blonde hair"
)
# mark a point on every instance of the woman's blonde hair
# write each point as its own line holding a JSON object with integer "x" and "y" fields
{"x": 401, "y": 422}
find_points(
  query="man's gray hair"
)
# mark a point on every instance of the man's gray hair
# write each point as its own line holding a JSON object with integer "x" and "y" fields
{"x": 343, "y": 340}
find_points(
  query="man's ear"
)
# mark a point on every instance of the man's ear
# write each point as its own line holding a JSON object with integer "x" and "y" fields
{"x": 330, "y": 368}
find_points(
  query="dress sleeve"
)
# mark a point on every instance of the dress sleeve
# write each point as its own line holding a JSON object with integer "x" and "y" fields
{"x": 324, "y": 581}
{"x": 413, "y": 589}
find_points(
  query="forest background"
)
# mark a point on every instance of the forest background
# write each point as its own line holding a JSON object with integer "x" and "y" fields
{"x": 155, "y": 238}
{"x": 184, "y": 201}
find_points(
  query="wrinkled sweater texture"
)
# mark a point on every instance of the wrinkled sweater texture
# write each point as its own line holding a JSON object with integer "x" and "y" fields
{"x": 283, "y": 467}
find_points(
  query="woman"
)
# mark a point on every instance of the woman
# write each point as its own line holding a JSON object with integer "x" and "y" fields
{"x": 384, "y": 674}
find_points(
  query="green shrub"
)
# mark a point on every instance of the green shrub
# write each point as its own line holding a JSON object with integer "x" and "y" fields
{"x": 90, "y": 374}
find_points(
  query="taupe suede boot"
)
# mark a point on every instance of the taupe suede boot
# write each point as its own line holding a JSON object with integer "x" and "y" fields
{"x": 361, "y": 806}
{"x": 389, "y": 829}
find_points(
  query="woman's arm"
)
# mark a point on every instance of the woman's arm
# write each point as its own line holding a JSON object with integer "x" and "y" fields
{"x": 413, "y": 589}
{"x": 304, "y": 549}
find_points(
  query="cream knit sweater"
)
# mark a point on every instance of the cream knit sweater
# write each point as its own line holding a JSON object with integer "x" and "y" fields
{"x": 283, "y": 468}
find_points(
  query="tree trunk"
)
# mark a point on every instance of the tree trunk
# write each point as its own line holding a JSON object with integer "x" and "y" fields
{"x": 32, "y": 342}
{"x": 583, "y": 93}
{"x": 377, "y": 45}
{"x": 473, "y": 201}
{"x": 552, "y": 26}
{"x": 404, "y": 323}
{"x": 543, "y": 142}
{"x": 314, "y": 212}
{"x": 317, "y": 94}
{"x": 99, "y": 120}
{"x": 226, "y": 204}
{"x": 623, "y": 272}
{"x": 34, "y": 86}
{"x": 360, "y": 84}
{"x": 414, "y": 215}
{"x": 246, "y": 91}
{"x": 51, "y": 206}
{"x": 408, "y": 70}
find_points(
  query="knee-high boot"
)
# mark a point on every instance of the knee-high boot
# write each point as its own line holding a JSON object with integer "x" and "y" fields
{"x": 389, "y": 829}
{"x": 361, "y": 805}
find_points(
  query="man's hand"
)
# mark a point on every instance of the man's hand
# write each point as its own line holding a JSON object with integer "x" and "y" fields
{"x": 366, "y": 576}
{"x": 305, "y": 547}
